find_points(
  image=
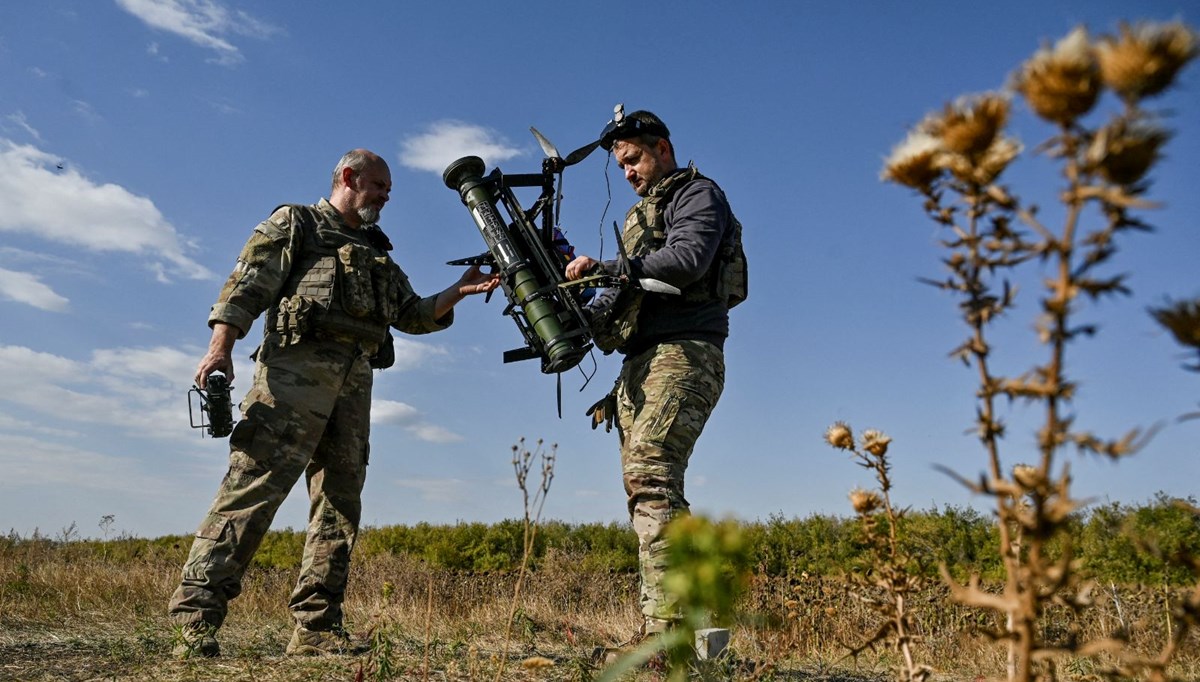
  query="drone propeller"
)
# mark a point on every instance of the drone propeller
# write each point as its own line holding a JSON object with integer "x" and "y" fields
{"x": 552, "y": 151}
{"x": 581, "y": 153}
{"x": 547, "y": 145}
{"x": 572, "y": 159}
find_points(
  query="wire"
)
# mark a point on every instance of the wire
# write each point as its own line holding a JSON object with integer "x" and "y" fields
{"x": 587, "y": 378}
{"x": 608, "y": 191}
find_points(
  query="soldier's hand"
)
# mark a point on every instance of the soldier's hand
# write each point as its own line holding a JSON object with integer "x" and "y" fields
{"x": 219, "y": 357}
{"x": 213, "y": 362}
{"x": 605, "y": 410}
{"x": 475, "y": 281}
{"x": 579, "y": 267}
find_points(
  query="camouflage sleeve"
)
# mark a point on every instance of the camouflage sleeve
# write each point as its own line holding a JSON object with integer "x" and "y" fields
{"x": 416, "y": 313}
{"x": 256, "y": 280}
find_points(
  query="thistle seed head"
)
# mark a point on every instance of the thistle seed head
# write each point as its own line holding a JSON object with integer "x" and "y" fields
{"x": 913, "y": 162}
{"x": 1027, "y": 476}
{"x": 1144, "y": 59}
{"x": 865, "y": 501}
{"x": 969, "y": 125}
{"x": 839, "y": 436}
{"x": 1061, "y": 84}
{"x": 1182, "y": 319}
{"x": 875, "y": 442}
{"x": 1123, "y": 151}
{"x": 985, "y": 168}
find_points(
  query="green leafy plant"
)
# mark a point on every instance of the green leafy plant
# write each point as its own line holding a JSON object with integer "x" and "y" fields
{"x": 708, "y": 566}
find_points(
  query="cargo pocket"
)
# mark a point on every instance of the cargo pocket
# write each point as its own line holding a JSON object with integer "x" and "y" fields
{"x": 243, "y": 434}
{"x": 207, "y": 551}
{"x": 658, "y": 427}
{"x": 246, "y": 462}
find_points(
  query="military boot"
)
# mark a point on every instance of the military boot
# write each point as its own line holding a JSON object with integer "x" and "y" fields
{"x": 196, "y": 640}
{"x": 645, "y": 638}
{"x": 305, "y": 642}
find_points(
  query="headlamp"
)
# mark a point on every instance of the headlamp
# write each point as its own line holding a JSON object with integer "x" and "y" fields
{"x": 623, "y": 127}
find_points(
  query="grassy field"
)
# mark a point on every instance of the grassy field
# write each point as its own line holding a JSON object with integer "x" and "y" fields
{"x": 77, "y": 611}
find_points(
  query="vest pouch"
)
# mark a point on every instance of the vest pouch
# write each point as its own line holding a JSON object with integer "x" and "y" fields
{"x": 386, "y": 279}
{"x": 293, "y": 319}
{"x": 733, "y": 282}
{"x": 357, "y": 291}
{"x": 385, "y": 356}
{"x": 613, "y": 326}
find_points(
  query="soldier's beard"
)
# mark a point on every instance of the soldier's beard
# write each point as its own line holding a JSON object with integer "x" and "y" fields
{"x": 369, "y": 214}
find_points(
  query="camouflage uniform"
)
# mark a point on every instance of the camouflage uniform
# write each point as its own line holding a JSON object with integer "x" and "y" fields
{"x": 674, "y": 369}
{"x": 664, "y": 397}
{"x": 330, "y": 293}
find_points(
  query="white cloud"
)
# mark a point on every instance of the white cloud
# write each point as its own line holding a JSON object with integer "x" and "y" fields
{"x": 411, "y": 353}
{"x": 410, "y": 419}
{"x": 139, "y": 390}
{"x": 12, "y": 424}
{"x": 24, "y": 287}
{"x": 446, "y": 141}
{"x": 169, "y": 365}
{"x": 19, "y": 120}
{"x": 203, "y": 22}
{"x": 63, "y": 206}
{"x": 35, "y": 461}
{"x": 142, "y": 390}
{"x": 153, "y": 50}
{"x": 436, "y": 489}
{"x": 223, "y": 108}
{"x": 393, "y": 412}
{"x": 86, "y": 111}
{"x": 431, "y": 433}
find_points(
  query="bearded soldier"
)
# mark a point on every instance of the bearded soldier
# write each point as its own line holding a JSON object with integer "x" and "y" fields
{"x": 682, "y": 232}
{"x": 330, "y": 292}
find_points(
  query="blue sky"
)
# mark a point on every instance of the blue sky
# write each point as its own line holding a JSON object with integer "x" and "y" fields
{"x": 142, "y": 140}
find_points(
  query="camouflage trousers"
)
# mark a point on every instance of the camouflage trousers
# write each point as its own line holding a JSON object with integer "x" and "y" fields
{"x": 664, "y": 397}
{"x": 308, "y": 412}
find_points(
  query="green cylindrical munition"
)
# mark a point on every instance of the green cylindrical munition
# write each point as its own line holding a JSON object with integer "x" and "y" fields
{"x": 561, "y": 350}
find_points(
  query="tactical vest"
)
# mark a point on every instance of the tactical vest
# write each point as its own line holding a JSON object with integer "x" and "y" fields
{"x": 340, "y": 286}
{"x": 645, "y": 233}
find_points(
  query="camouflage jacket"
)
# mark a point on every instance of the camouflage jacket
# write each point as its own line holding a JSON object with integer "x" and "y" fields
{"x": 313, "y": 274}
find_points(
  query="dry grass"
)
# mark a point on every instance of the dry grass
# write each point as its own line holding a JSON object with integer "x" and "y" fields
{"x": 66, "y": 616}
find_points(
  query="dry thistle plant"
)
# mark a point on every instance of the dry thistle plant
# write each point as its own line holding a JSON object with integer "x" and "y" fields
{"x": 891, "y": 565}
{"x": 1182, "y": 319}
{"x": 954, "y": 159}
{"x": 523, "y": 460}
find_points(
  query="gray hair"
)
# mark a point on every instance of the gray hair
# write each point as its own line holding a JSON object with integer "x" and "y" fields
{"x": 356, "y": 160}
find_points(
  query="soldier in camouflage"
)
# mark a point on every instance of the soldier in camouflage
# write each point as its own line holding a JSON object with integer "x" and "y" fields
{"x": 330, "y": 292}
{"x": 681, "y": 232}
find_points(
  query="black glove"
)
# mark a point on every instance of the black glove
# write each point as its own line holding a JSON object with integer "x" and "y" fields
{"x": 605, "y": 410}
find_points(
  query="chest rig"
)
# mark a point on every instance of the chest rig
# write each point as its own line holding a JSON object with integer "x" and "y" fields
{"x": 340, "y": 286}
{"x": 645, "y": 233}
